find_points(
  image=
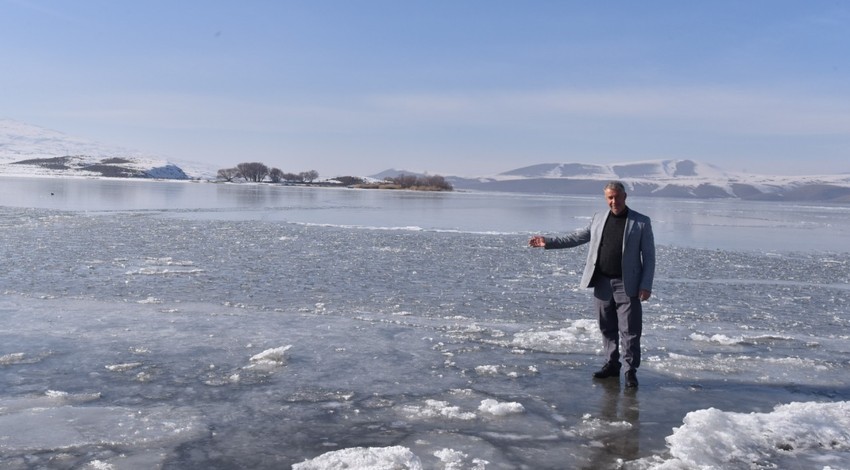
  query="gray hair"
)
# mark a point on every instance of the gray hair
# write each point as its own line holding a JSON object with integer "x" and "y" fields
{"x": 616, "y": 186}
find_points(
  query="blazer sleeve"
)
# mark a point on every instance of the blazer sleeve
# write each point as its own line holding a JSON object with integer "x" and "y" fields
{"x": 572, "y": 239}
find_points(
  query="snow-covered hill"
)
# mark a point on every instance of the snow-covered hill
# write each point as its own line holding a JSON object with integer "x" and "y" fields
{"x": 27, "y": 150}
{"x": 662, "y": 169}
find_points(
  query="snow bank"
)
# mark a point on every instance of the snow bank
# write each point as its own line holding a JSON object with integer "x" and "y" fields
{"x": 818, "y": 433}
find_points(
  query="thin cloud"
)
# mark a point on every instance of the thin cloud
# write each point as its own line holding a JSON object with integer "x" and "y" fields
{"x": 733, "y": 111}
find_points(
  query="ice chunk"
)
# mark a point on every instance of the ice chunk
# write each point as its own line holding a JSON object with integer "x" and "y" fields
{"x": 270, "y": 357}
{"x": 438, "y": 409}
{"x": 497, "y": 408}
{"x": 364, "y": 458}
{"x": 457, "y": 460}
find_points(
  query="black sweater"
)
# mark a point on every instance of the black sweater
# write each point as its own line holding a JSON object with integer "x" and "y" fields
{"x": 609, "y": 263}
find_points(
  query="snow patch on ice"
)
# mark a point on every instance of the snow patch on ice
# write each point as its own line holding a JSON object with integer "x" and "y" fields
{"x": 433, "y": 409}
{"x": 13, "y": 358}
{"x": 496, "y": 408}
{"x": 725, "y": 340}
{"x": 364, "y": 458}
{"x": 579, "y": 333}
{"x": 123, "y": 367}
{"x": 457, "y": 460}
{"x": 512, "y": 372}
{"x": 99, "y": 465}
{"x": 487, "y": 370}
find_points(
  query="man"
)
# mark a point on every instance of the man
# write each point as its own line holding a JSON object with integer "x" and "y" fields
{"x": 620, "y": 268}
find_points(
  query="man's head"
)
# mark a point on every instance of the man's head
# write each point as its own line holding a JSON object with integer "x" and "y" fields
{"x": 615, "y": 195}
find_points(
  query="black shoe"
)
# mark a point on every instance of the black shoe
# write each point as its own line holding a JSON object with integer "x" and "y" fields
{"x": 610, "y": 369}
{"x": 631, "y": 379}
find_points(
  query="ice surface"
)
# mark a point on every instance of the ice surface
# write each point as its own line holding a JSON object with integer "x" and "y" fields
{"x": 188, "y": 339}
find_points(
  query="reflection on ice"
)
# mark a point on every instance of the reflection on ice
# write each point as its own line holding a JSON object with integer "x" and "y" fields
{"x": 63, "y": 422}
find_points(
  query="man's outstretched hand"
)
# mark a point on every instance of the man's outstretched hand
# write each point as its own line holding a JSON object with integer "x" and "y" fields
{"x": 537, "y": 242}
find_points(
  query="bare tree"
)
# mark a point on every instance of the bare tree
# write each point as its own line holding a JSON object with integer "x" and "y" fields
{"x": 437, "y": 181}
{"x": 309, "y": 176}
{"x": 405, "y": 181}
{"x": 350, "y": 180}
{"x": 254, "y": 171}
{"x": 275, "y": 175}
{"x": 228, "y": 174}
{"x": 423, "y": 182}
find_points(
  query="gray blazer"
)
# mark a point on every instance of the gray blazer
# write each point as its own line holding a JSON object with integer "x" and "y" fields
{"x": 638, "y": 250}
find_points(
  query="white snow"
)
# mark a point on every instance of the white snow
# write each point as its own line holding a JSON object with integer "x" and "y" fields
{"x": 20, "y": 141}
{"x": 496, "y": 408}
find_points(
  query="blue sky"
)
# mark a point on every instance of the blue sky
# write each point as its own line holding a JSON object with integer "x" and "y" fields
{"x": 444, "y": 86}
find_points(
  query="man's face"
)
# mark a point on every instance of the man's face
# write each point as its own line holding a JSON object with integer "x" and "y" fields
{"x": 616, "y": 201}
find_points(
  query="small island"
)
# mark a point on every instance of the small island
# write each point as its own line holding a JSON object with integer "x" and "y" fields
{"x": 417, "y": 183}
{"x": 255, "y": 172}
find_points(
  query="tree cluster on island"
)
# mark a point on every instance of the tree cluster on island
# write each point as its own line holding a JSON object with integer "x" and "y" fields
{"x": 420, "y": 183}
{"x": 255, "y": 172}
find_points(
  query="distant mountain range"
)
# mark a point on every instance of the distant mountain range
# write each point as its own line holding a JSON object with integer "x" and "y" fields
{"x": 657, "y": 178}
{"x": 34, "y": 151}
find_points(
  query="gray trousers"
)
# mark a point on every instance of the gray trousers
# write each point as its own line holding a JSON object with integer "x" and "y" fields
{"x": 620, "y": 320}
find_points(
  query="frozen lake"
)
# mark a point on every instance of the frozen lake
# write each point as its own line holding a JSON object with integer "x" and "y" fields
{"x": 204, "y": 326}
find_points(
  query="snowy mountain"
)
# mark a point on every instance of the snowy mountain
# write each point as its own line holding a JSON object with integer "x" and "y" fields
{"x": 662, "y": 178}
{"x": 27, "y": 150}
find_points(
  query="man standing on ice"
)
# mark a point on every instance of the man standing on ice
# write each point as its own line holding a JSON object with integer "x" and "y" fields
{"x": 620, "y": 268}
